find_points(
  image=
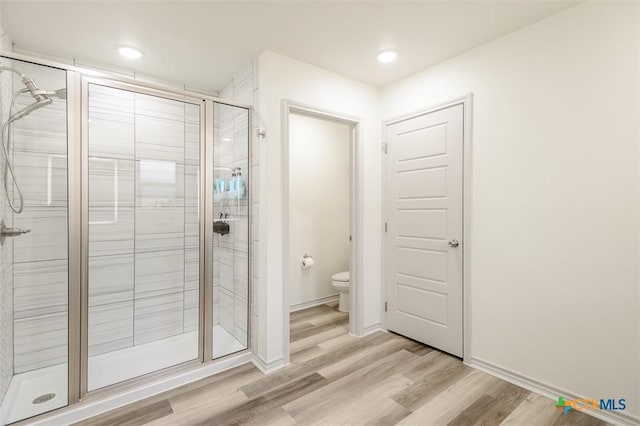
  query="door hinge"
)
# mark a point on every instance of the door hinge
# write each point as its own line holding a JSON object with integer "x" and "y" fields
{"x": 384, "y": 147}
{"x": 385, "y": 306}
{"x": 386, "y": 227}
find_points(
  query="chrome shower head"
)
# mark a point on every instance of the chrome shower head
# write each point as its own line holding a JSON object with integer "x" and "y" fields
{"x": 39, "y": 103}
{"x": 36, "y": 93}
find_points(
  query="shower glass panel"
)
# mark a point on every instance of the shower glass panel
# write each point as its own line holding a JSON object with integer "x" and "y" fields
{"x": 144, "y": 208}
{"x": 34, "y": 265}
{"x": 231, "y": 229}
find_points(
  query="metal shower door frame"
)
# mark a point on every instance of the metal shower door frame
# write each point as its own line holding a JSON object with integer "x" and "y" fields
{"x": 204, "y": 329}
{"x": 78, "y": 80}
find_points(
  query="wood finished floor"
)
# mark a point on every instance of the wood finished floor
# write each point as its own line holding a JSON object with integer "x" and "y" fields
{"x": 337, "y": 379}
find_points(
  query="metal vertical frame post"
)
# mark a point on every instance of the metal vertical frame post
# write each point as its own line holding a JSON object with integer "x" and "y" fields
{"x": 75, "y": 219}
{"x": 84, "y": 287}
{"x": 206, "y": 293}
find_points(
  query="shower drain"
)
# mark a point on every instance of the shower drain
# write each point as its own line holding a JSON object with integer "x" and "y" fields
{"x": 44, "y": 398}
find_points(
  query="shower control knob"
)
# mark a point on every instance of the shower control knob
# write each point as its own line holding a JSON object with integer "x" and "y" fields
{"x": 10, "y": 232}
{"x": 454, "y": 243}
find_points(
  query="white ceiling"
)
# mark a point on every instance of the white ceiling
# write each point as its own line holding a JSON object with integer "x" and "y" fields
{"x": 204, "y": 43}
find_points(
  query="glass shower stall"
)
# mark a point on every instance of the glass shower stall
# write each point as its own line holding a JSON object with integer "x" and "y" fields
{"x": 125, "y": 233}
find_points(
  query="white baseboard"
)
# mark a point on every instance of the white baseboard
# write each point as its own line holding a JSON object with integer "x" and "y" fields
{"x": 268, "y": 367}
{"x": 87, "y": 409}
{"x": 548, "y": 391}
{"x": 311, "y": 304}
{"x": 372, "y": 329}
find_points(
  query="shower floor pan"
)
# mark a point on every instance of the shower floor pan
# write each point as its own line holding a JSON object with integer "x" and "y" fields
{"x": 105, "y": 369}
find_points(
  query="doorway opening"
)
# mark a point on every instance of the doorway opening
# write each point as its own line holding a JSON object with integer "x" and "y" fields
{"x": 319, "y": 238}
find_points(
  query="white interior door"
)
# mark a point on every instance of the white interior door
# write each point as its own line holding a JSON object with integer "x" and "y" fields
{"x": 423, "y": 241}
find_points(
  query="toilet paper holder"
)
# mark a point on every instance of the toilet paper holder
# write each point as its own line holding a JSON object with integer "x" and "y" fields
{"x": 307, "y": 261}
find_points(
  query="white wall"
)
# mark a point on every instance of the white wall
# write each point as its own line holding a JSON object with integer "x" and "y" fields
{"x": 554, "y": 228}
{"x": 285, "y": 78}
{"x": 319, "y": 212}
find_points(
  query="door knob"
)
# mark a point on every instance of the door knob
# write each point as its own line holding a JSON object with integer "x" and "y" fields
{"x": 454, "y": 243}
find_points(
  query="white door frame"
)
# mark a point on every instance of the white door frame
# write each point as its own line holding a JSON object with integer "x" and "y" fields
{"x": 467, "y": 102}
{"x": 356, "y": 314}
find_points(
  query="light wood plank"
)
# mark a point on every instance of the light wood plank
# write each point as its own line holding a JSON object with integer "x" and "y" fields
{"x": 135, "y": 414}
{"x": 296, "y": 371}
{"x": 315, "y": 339}
{"x": 329, "y": 317}
{"x": 256, "y": 408}
{"x": 372, "y": 406}
{"x": 275, "y": 417}
{"x": 312, "y": 331}
{"x": 435, "y": 375}
{"x": 211, "y": 393}
{"x": 533, "y": 410}
{"x": 315, "y": 405}
{"x": 205, "y": 410}
{"x": 362, "y": 359}
{"x": 306, "y": 354}
{"x": 446, "y": 406}
{"x": 492, "y": 407}
{"x": 338, "y": 342}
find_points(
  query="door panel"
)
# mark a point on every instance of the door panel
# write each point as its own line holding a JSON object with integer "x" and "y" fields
{"x": 416, "y": 302}
{"x": 423, "y": 143}
{"x": 423, "y": 223}
{"x": 143, "y": 233}
{"x": 420, "y": 184}
{"x": 424, "y": 175}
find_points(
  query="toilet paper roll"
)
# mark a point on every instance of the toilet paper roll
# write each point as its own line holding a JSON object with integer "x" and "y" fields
{"x": 307, "y": 262}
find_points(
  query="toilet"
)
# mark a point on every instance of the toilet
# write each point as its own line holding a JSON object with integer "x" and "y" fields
{"x": 342, "y": 282}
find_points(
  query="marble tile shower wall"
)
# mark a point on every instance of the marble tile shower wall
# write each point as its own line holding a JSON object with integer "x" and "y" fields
{"x": 40, "y": 258}
{"x": 245, "y": 91}
{"x": 143, "y": 218}
{"x": 6, "y": 261}
{"x": 231, "y": 261}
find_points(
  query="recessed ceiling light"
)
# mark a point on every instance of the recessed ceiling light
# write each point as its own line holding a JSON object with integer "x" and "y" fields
{"x": 387, "y": 56}
{"x": 130, "y": 52}
{"x": 226, "y": 139}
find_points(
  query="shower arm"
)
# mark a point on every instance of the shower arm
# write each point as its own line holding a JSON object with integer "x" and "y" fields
{"x": 13, "y": 70}
{"x": 41, "y": 96}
